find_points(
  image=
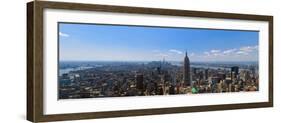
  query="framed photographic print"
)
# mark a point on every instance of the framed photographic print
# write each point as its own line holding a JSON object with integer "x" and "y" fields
{"x": 96, "y": 61}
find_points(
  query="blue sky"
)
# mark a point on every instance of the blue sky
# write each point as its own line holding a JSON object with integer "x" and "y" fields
{"x": 136, "y": 43}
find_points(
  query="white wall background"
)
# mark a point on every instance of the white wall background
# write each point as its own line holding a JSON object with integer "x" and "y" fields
{"x": 13, "y": 61}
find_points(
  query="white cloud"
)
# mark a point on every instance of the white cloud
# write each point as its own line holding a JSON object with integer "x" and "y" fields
{"x": 63, "y": 34}
{"x": 242, "y": 53}
{"x": 207, "y": 53}
{"x": 215, "y": 51}
{"x": 229, "y": 51}
{"x": 237, "y": 53}
{"x": 175, "y": 51}
{"x": 249, "y": 48}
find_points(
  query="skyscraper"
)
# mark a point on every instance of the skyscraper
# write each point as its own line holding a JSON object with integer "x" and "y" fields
{"x": 234, "y": 72}
{"x": 235, "y": 69}
{"x": 186, "y": 70}
{"x": 139, "y": 81}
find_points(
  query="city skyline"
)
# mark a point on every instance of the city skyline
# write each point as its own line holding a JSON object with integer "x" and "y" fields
{"x": 113, "y": 79}
{"x": 84, "y": 42}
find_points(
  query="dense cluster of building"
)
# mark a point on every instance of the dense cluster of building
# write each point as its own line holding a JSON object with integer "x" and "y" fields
{"x": 155, "y": 78}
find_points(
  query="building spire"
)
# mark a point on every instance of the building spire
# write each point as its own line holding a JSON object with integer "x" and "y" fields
{"x": 186, "y": 71}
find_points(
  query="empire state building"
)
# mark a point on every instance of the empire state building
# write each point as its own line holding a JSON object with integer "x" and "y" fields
{"x": 186, "y": 71}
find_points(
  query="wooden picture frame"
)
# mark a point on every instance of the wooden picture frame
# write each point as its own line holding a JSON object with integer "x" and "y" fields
{"x": 35, "y": 46}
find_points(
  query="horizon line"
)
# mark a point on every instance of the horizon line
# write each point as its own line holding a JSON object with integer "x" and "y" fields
{"x": 142, "y": 61}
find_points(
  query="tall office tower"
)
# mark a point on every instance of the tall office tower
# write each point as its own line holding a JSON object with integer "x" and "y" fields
{"x": 139, "y": 81}
{"x": 235, "y": 70}
{"x": 206, "y": 74}
{"x": 186, "y": 71}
